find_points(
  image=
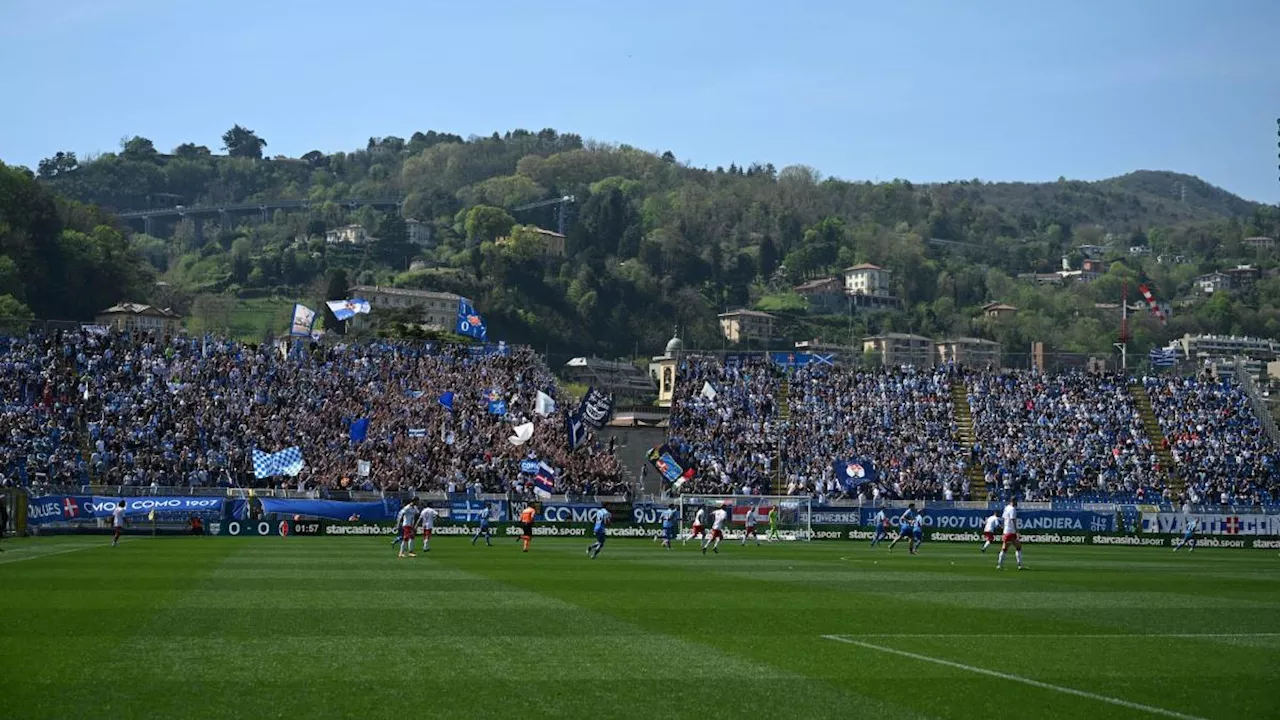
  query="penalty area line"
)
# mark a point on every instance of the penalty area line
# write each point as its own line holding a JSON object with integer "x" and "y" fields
{"x": 1014, "y": 678}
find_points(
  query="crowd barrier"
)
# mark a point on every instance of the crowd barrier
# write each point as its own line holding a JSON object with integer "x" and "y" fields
{"x": 944, "y": 522}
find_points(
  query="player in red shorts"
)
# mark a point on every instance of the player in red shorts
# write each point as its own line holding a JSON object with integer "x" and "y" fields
{"x": 407, "y": 520}
{"x": 697, "y": 530}
{"x": 1010, "y": 517}
{"x": 718, "y": 516}
{"x": 989, "y": 530}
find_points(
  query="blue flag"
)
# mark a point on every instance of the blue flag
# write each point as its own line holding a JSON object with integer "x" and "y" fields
{"x": 854, "y": 472}
{"x": 360, "y": 430}
{"x": 497, "y": 407}
{"x": 576, "y": 431}
{"x": 446, "y": 399}
{"x": 469, "y": 321}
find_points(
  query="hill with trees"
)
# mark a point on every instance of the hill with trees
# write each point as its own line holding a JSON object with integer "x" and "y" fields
{"x": 653, "y": 243}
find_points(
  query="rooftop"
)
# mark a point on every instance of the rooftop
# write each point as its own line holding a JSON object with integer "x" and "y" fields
{"x": 402, "y": 292}
{"x": 746, "y": 313}
{"x": 897, "y": 336}
{"x": 818, "y": 284}
{"x": 863, "y": 266}
{"x": 139, "y": 309}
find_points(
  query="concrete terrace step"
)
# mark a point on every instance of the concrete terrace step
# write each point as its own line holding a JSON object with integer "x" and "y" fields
{"x": 967, "y": 437}
{"x": 1151, "y": 425}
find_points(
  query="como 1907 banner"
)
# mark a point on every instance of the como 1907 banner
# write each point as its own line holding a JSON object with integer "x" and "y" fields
{"x": 68, "y": 508}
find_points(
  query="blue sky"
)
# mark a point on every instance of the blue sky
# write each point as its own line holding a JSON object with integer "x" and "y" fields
{"x": 926, "y": 90}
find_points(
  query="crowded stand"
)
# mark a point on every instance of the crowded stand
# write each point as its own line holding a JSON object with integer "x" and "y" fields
{"x": 902, "y": 419}
{"x": 1062, "y": 436}
{"x": 152, "y": 412}
{"x": 41, "y": 416}
{"x": 1219, "y": 446}
{"x": 729, "y": 434}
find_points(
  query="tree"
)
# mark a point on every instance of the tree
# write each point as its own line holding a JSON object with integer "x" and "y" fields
{"x": 485, "y": 223}
{"x": 393, "y": 240}
{"x": 59, "y": 165}
{"x": 768, "y": 260}
{"x": 138, "y": 148}
{"x": 191, "y": 151}
{"x": 13, "y": 309}
{"x": 337, "y": 288}
{"x": 242, "y": 142}
{"x": 240, "y": 261}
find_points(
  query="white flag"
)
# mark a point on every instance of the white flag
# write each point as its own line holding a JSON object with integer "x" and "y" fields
{"x": 545, "y": 405}
{"x": 523, "y": 433}
{"x": 362, "y": 468}
{"x": 708, "y": 392}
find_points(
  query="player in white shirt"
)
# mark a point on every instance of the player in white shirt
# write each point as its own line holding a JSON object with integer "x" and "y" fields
{"x": 117, "y": 522}
{"x": 697, "y": 530}
{"x": 427, "y": 520}
{"x": 1189, "y": 535}
{"x": 989, "y": 530}
{"x": 718, "y": 516}
{"x": 749, "y": 526}
{"x": 1010, "y": 517}
{"x": 406, "y": 520}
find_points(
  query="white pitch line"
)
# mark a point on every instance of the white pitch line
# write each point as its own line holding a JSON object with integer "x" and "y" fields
{"x": 6, "y": 558}
{"x": 1016, "y": 678}
{"x": 961, "y": 636}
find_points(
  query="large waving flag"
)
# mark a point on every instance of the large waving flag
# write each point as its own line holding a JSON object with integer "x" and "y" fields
{"x": 523, "y": 434}
{"x": 360, "y": 430}
{"x": 854, "y": 472}
{"x": 286, "y": 462}
{"x": 446, "y": 400}
{"x": 1163, "y": 357}
{"x": 576, "y": 430}
{"x": 347, "y": 309}
{"x": 544, "y": 481}
{"x": 544, "y": 405}
{"x": 469, "y": 321}
{"x": 303, "y": 320}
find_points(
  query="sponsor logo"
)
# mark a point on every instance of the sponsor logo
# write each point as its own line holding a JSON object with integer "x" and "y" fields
{"x": 1265, "y": 544}
{"x": 1216, "y": 543}
{"x": 828, "y": 517}
{"x": 1128, "y": 540}
{"x": 568, "y": 513}
{"x": 359, "y": 530}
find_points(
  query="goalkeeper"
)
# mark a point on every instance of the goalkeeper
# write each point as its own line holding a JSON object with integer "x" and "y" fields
{"x": 773, "y": 524}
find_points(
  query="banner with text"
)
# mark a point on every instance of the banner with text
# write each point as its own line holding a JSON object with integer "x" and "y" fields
{"x": 68, "y": 508}
{"x": 1212, "y": 524}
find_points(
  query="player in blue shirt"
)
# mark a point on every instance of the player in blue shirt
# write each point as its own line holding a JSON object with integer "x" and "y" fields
{"x": 602, "y": 519}
{"x": 483, "y": 529}
{"x": 1189, "y": 535}
{"x": 904, "y": 525}
{"x": 881, "y": 524}
{"x": 917, "y": 532}
{"x": 669, "y": 517}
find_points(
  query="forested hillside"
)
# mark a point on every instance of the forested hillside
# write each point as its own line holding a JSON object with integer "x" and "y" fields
{"x": 653, "y": 242}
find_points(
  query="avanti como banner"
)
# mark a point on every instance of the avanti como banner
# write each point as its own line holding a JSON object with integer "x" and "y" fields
{"x": 1212, "y": 524}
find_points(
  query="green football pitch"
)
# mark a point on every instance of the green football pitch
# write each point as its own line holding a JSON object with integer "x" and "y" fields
{"x": 339, "y": 627}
